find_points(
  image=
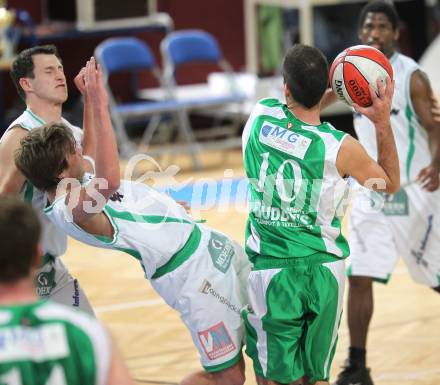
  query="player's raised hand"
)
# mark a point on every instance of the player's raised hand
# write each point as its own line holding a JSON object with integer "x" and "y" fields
{"x": 94, "y": 83}
{"x": 79, "y": 81}
{"x": 380, "y": 109}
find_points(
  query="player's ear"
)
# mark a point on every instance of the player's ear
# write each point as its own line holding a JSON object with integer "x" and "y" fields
{"x": 25, "y": 84}
{"x": 287, "y": 93}
{"x": 396, "y": 34}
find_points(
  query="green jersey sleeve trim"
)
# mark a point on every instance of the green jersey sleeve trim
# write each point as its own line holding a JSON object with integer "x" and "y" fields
{"x": 182, "y": 255}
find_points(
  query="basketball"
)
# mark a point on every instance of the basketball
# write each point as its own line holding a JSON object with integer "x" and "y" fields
{"x": 354, "y": 69}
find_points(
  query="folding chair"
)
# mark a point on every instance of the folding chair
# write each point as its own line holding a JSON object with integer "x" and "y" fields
{"x": 129, "y": 54}
{"x": 185, "y": 47}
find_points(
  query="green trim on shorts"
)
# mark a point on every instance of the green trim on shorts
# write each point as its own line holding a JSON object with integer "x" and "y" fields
{"x": 263, "y": 262}
{"x": 225, "y": 365}
{"x": 375, "y": 279}
{"x": 182, "y": 255}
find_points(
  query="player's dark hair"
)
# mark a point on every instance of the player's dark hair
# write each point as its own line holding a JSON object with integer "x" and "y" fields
{"x": 305, "y": 71}
{"x": 380, "y": 6}
{"x": 20, "y": 231}
{"x": 23, "y": 65}
{"x": 42, "y": 154}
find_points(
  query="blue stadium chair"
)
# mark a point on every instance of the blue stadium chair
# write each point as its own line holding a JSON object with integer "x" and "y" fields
{"x": 188, "y": 47}
{"x": 129, "y": 54}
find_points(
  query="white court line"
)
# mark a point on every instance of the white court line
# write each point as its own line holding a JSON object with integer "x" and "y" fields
{"x": 128, "y": 305}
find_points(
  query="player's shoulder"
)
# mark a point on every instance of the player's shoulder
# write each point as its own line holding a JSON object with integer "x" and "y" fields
{"x": 328, "y": 128}
{"x": 269, "y": 107}
{"x": 402, "y": 62}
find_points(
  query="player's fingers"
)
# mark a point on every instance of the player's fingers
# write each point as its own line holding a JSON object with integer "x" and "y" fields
{"x": 380, "y": 87}
{"x": 373, "y": 93}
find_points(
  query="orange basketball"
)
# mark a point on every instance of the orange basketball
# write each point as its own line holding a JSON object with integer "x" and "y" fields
{"x": 354, "y": 69}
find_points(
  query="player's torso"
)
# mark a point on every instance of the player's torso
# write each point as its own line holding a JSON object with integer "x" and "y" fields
{"x": 410, "y": 136}
{"x": 45, "y": 343}
{"x": 146, "y": 224}
{"x": 54, "y": 242}
{"x": 295, "y": 186}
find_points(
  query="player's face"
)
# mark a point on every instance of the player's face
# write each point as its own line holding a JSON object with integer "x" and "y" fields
{"x": 49, "y": 81}
{"x": 377, "y": 31}
{"x": 76, "y": 164}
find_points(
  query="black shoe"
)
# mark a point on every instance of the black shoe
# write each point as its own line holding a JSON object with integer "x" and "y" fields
{"x": 354, "y": 376}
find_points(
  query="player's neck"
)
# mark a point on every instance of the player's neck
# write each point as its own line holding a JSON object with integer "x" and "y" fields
{"x": 18, "y": 292}
{"x": 48, "y": 112}
{"x": 310, "y": 116}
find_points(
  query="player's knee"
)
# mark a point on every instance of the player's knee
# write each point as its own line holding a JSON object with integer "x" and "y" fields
{"x": 360, "y": 283}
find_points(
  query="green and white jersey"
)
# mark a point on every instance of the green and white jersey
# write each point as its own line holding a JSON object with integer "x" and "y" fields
{"x": 147, "y": 224}
{"x": 411, "y": 138}
{"x": 49, "y": 344}
{"x": 296, "y": 190}
{"x": 54, "y": 242}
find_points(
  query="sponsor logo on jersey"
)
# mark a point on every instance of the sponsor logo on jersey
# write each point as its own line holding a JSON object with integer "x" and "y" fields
{"x": 395, "y": 204}
{"x": 45, "y": 282}
{"x": 221, "y": 251}
{"x": 45, "y": 342}
{"x": 206, "y": 288}
{"x": 284, "y": 140}
{"x": 216, "y": 341}
{"x": 75, "y": 295}
{"x": 275, "y": 216}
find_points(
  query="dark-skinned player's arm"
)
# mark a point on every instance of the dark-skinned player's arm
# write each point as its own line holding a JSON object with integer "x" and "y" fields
{"x": 425, "y": 107}
{"x": 353, "y": 160}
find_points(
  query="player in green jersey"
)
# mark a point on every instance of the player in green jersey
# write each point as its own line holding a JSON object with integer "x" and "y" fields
{"x": 41, "y": 342}
{"x": 297, "y": 168}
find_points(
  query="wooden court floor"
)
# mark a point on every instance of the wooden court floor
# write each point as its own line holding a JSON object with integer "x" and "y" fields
{"x": 404, "y": 340}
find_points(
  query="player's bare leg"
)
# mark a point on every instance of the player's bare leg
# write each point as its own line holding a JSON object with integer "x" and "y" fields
{"x": 230, "y": 376}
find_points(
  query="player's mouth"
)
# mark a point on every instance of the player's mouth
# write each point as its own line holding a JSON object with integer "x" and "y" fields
{"x": 375, "y": 44}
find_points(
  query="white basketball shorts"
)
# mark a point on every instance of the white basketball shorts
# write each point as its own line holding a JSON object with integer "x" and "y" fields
{"x": 405, "y": 224}
{"x": 209, "y": 291}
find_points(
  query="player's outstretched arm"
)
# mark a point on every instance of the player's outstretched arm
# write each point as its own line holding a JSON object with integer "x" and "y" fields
{"x": 352, "y": 158}
{"x": 426, "y": 108}
{"x": 89, "y": 137}
{"x": 90, "y": 200}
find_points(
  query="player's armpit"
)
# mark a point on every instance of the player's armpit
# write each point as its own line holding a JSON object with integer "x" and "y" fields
{"x": 11, "y": 179}
{"x": 353, "y": 160}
